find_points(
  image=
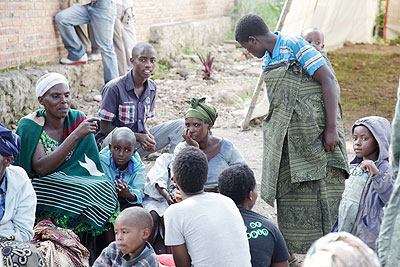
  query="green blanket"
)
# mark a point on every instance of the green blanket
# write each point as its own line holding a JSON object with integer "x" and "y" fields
{"x": 78, "y": 187}
{"x": 297, "y": 114}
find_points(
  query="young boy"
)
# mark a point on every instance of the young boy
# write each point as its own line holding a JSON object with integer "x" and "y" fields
{"x": 304, "y": 155}
{"x": 371, "y": 180}
{"x": 316, "y": 38}
{"x": 130, "y": 100}
{"x": 204, "y": 229}
{"x": 267, "y": 246}
{"x": 132, "y": 228}
{"x": 123, "y": 166}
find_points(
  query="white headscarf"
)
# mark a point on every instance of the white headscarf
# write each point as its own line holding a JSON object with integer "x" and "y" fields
{"x": 47, "y": 81}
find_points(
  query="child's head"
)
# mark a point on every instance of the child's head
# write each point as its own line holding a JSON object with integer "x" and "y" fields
{"x": 132, "y": 228}
{"x": 238, "y": 183}
{"x": 371, "y": 138}
{"x": 122, "y": 146}
{"x": 314, "y": 36}
{"x": 190, "y": 170}
{"x": 248, "y": 29}
{"x": 143, "y": 60}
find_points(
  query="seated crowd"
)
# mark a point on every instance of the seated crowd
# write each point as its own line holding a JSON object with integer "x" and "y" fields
{"x": 75, "y": 192}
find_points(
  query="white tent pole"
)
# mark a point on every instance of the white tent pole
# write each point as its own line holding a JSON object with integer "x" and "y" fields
{"x": 246, "y": 121}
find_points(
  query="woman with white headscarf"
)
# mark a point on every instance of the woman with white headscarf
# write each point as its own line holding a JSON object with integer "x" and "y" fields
{"x": 59, "y": 152}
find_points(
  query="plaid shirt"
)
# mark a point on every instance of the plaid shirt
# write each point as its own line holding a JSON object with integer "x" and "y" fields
{"x": 123, "y": 107}
{"x": 111, "y": 256}
{"x": 3, "y": 190}
{"x": 294, "y": 48}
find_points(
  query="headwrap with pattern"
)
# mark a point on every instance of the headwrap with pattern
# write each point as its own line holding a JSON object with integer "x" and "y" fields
{"x": 10, "y": 143}
{"x": 202, "y": 110}
{"x": 340, "y": 249}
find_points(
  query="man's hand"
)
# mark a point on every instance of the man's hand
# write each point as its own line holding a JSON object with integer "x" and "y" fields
{"x": 147, "y": 141}
{"x": 189, "y": 140}
{"x": 330, "y": 139}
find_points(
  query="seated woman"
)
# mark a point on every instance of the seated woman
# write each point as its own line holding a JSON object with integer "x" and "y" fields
{"x": 17, "y": 207}
{"x": 220, "y": 152}
{"x": 59, "y": 152}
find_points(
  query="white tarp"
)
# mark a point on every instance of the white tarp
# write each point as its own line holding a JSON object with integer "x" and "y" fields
{"x": 339, "y": 20}
{"x": 392, "y": 27}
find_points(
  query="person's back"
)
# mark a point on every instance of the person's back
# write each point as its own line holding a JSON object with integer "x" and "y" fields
{"x": 205, "y": 229}
{"x": 212, "y": 228}
{"x": 267, "y": 246}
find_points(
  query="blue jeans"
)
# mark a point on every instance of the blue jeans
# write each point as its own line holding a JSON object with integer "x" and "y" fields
{"x": 101, "y": 15}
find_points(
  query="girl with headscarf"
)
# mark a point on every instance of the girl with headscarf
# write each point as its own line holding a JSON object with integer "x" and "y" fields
{"x": 59, "y": 152}
{"x": 17, "y": 206}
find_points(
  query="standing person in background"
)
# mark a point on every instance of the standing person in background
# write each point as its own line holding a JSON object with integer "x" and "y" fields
{"x": 124, "y": 37}
{"x": 304, "y": 155}
{"x": 101, "y": 15}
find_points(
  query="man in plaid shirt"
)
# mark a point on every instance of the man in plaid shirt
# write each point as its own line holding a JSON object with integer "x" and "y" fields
{"x": 130, "y": 100}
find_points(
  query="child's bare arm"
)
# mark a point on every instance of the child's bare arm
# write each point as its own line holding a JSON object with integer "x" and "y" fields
{"x": 329, "y": 94}
{"x": 181, "y": 256}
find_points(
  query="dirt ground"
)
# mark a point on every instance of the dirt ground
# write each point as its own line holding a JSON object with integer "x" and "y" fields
{"x": 233, "y": 82}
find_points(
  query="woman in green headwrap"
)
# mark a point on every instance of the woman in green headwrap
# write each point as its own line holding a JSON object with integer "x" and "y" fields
{"x": 220, "y": 152}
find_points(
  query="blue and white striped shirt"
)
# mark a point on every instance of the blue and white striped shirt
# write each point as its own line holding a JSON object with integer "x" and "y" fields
{"x": 3, "y": 190}
{"x": 294, "y": 48}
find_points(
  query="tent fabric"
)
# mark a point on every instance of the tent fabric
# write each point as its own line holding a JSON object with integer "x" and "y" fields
{"x": 340, "y": 20}
{"x": 392, "y": 20}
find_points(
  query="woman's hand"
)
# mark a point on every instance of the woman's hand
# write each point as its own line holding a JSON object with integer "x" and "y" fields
{"x": 370, "y": 166}
{"x": 147, "y": 141}
{"x": 88, "y": 126}
{"x": 189, "y": 140}
{"x": 330, "y": 139}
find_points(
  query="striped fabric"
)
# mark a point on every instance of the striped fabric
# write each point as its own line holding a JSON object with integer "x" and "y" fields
{"x": 296, "y": 158}
{"x": 289, "y": 48}
{"x": 92, "y": 198}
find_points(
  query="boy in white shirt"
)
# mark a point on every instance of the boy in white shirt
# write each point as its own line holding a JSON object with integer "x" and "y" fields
{"x": 204, "y": 229}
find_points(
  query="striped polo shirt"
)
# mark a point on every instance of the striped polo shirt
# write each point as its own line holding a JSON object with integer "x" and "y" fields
{"x": 294, "y": 48}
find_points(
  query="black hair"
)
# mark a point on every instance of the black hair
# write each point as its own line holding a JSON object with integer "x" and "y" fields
{"x": 250, "y": 25}
{"x": 191, "y": 169}
{"x": 236, "y": 182}
{"x": 139, "y": 47}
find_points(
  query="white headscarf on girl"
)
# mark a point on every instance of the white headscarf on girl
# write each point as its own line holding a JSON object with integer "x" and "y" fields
{"x": 47, "y": 81}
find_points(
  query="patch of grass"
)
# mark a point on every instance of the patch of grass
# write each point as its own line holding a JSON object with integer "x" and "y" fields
{"x": 27, "y": 64}
{"x": 269, "y": 10}
{"x": 368, "y": 84}
{"x": 162, "y": 67}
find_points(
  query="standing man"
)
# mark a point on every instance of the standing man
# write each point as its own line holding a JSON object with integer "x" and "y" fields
{"x": 101, "y": 15}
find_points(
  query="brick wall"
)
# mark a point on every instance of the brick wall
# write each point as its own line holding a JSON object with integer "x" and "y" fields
{"x": 28, "y": 32}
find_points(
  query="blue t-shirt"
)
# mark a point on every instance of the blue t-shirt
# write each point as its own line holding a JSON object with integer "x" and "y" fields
{"x": 294, "y": 48}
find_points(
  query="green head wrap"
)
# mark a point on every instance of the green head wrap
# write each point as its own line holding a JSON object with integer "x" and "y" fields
{"x": 201, "y": 110}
